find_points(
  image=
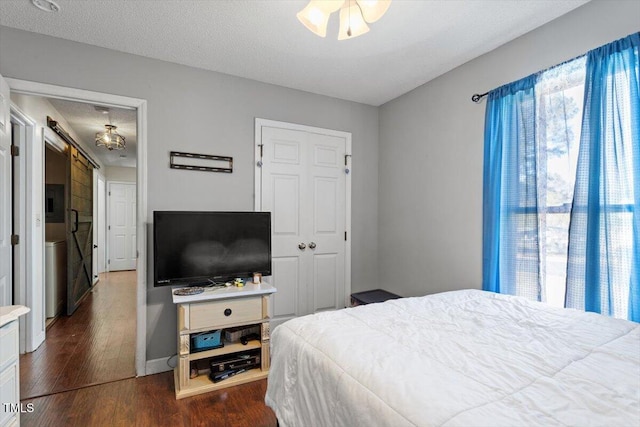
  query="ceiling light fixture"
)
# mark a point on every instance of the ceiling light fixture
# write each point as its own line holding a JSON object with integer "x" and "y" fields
{"x": 354, "y": 16}
{"x": 110, "y": 139}
{"x": 46, "y": 5}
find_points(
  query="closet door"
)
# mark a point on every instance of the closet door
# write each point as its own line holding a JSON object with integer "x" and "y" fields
{"x": 326, "y": 223}
{"x": 303, "y": 185}
{"x": 79, "y": 230}
{"x": 285, "y": 195}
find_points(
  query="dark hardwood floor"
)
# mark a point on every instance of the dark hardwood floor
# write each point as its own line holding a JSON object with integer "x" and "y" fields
{"x": 93, "y": 346}
{"x": 83, "y": 374}
{"x": 150, "y": 401}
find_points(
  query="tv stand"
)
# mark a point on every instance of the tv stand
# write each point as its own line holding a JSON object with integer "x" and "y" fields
{"x": 221, "y": 308}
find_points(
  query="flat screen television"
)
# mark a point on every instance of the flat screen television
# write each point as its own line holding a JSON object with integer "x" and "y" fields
{"x": 194, "y": 248}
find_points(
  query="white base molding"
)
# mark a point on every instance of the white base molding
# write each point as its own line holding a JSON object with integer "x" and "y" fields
{"x": 157, "y": 366}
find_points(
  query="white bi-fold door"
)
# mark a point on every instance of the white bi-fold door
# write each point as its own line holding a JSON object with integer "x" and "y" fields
{"x": 121, "y": 229}
{"x": 304, "y": 181}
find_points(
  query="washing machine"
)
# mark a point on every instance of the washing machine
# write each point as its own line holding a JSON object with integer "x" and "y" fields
{"x": 55, "y": 277}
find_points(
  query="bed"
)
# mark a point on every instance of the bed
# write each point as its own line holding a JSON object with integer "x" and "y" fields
{"x": 461, "y": 358}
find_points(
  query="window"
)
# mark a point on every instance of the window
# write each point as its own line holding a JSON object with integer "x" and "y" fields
{"x": 559, "y": 103}
{"x": 561, "y": 210}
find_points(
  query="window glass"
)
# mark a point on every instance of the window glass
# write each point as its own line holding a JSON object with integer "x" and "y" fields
{"x": 559, "y": 99}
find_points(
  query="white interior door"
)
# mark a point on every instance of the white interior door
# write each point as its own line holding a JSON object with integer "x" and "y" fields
{"x": 121, "y": 230}
{"x": 283, "y": 194}
{"x": 326, "y": 246}
{"x": 6, "y": 209}
{"x": 303, "y": 183}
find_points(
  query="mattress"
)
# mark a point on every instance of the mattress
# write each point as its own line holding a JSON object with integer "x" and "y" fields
{"x": 462, "y": 358}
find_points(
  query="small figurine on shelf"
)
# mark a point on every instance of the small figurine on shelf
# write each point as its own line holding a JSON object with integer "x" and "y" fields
{"x": 193, "y": 372}
{"x": 238, "y": 282}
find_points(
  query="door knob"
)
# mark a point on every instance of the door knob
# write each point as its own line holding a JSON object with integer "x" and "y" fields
{"x": 312, "y": 245}
{"x": 95, "y": 246}
{"x": 302, "y": 246}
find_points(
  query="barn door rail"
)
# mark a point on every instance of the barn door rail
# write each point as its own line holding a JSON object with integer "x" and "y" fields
{"x": 62, "y": 133}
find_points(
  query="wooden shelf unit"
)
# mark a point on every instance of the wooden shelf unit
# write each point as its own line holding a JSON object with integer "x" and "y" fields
{"x": 227, "y": 349}
{"x": 214, "y": 310}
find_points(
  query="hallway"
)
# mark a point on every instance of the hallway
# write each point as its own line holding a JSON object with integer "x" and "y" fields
{"x": 94, "y": 346}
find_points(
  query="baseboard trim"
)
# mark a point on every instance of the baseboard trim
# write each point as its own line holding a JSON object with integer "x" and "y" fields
{"x": 157, "y": 366}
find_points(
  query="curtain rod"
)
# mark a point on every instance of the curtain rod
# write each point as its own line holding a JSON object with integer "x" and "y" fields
{"x": 477, "y": 97}
{"x": 59, "y": 130}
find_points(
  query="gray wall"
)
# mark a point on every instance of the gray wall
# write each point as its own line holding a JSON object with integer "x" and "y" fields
{"x": 417, "y": 199}
{"x": 431, "y": 152}
{"x": 120, "y": 173}
{"x": 204, "y": 112}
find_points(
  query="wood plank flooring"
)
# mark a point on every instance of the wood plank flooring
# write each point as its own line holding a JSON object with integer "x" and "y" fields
{"x": 93, "y": 346}
{"x": 83, "y": 374}
{"x": 150, "y": 401}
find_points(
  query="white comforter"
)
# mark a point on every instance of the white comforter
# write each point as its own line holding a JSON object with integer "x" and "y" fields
{"x": 463, "y": 358}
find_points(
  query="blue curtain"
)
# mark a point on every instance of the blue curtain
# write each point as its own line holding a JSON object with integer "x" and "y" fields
{"x": 510, "y": 223}
{"x": 604, "y": 236}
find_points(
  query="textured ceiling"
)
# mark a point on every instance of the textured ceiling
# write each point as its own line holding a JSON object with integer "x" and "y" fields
{"x": 413, "y": 43}
{"x": 86, "y": 121}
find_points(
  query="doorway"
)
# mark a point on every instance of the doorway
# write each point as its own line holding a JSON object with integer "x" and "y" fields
{"x": 35, "y": 157}
{"x": 55, "y": 251}
{"x": 79, "y": 303}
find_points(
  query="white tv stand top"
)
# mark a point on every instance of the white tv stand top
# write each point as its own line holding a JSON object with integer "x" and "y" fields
{"x": 210, "y": 294}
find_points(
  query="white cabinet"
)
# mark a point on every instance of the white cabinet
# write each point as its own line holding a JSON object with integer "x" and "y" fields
{"x": 9, "y": 368}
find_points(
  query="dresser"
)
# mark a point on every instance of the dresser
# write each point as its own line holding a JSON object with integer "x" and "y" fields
{"x": 9, "y": 365}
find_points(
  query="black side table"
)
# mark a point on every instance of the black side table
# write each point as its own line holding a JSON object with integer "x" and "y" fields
{"x": 370, "y": 297}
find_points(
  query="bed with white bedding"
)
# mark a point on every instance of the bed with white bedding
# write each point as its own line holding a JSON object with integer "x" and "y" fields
{"x": 462, "y": 358}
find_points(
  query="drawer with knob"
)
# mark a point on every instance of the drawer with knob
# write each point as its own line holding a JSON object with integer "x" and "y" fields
{"x": 224, "y": 312}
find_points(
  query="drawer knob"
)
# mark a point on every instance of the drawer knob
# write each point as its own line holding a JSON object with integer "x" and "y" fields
{"x": 227, "y": 312}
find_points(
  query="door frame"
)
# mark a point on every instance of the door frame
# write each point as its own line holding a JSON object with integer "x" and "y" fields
{"x": 96, "y": 225}
{"x": 102, "y": 225}
{"x": 32, "y": 325}
{"x": 257, "y": 185}
{"x": 108, "y": 223}
{"x": 80, "y": 95}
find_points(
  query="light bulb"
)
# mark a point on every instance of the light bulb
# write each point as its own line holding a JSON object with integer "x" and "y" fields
{"x": 315, "y": 18}
{"x": 372, "y": 10}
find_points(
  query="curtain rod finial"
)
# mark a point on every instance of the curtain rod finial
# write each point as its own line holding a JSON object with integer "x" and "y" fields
{"x": 477, "y": 97}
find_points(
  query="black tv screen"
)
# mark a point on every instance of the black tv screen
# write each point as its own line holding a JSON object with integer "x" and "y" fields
{"x": 196, "y": 247}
